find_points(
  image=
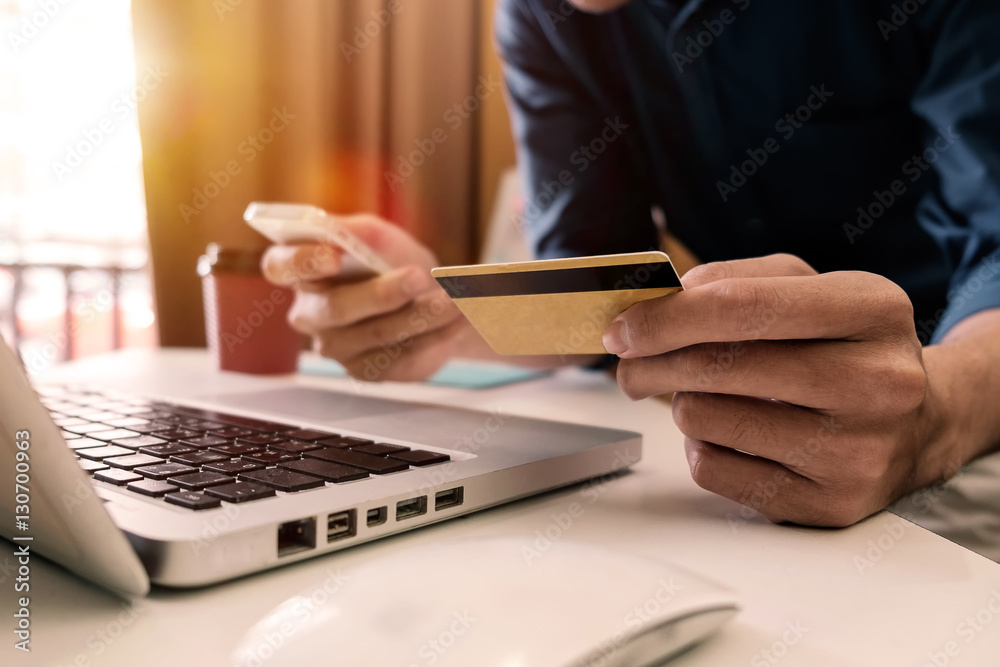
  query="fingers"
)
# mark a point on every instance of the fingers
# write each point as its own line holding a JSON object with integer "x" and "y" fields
{"x": 771, "y": 489}
{"x": 426, "y": 314}
{"x": 418, "y": 361}
{"x": 843, "y": 305}
{"x": 318, "y": 307}
{"x": 786, "y": 434}
{"x": 288, "y": 265}
{"x": 815, "y": 374}
{"x": 758, "y": 267}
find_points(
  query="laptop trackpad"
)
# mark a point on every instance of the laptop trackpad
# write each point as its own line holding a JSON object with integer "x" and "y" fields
{"x": 315, "y": 405}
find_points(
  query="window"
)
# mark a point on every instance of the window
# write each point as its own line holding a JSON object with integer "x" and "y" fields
{"x": 73, "y": 255}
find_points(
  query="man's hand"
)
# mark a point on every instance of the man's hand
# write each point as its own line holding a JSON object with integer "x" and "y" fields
{"x": 803, "y": 396}
{"x": 397, "y": 326}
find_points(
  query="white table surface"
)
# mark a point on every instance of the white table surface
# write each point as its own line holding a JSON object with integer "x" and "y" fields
{"x": 910, "y": 603}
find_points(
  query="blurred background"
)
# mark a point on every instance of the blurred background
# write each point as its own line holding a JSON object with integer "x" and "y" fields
{"x": 135, "y": 133}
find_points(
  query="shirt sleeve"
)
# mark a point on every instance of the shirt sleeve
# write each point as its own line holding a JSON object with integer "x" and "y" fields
{"x": 959, "y": 97}
{"x": 583, "y": 188}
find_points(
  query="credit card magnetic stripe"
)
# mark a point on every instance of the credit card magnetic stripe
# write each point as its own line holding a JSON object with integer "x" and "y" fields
{"x": 562, "y": 281}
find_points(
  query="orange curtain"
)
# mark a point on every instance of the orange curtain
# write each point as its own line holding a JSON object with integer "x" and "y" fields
{"x": 391, "y": 106}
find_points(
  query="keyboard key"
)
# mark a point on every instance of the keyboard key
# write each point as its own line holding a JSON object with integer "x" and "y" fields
{"x": 151, "y": 414}
{"x": 100, "y": 453}
{"x": 239, "y": 492}
{"x": 205, "y": 425}
{"x": 167, "y": 450}
{"x": 231, "y": 432}
{"x": 375, "y": 464}
{"x": 152, "y": 487}
{"x": 84, "y": 443}
{"x": 345, "y": 442}
{"x": 140, "y": 441}
{"x": 204, "y": 441}
{"x": 147, "y": 428}
{"x": 233, "y": 467}
{"x": 380, "y": 449}
{"x": 236, "y": 450}
{"x": 179, "y": 420}
{"x": 99, "y": 415}
{"x": 115, "y": 434}
{"x": 309, "y": 434}
{"x": 70, "y": 436}
{"x": 177, "y": 434}
{"x": 330, "y": 472}
{"x": 116, "y": 476}
{"x": 89, "y": 427}
{"x": 132, "y": 461}
{"x": 264, "y": 439}
{"x": 197, "y": 481}
{"x": 295, "y": 446}
{"x": 192, "y": 500}
{"x": 125, "y": 422}
{"x": 282, "y": 480}
{"x": 165, "y": 470}
{"x": 420, "y": 457}
{"x": 270, "y": 458}
{"x": 91, "y": 466}
{"x": 235, "y": 420}
{"x": 70, "y": 421}
{"x": 199, "y": 458}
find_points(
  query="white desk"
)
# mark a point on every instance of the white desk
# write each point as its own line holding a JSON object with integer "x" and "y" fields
{"x": 910, "y": 602}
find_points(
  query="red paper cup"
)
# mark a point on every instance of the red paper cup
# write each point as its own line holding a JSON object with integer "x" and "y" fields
{"x": 246, "y": 316}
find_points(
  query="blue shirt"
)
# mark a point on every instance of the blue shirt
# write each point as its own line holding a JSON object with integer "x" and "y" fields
{"x": 856, "y": 134}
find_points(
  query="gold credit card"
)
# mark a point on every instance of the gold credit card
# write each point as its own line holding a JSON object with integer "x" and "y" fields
{"x": 555, "y": 306}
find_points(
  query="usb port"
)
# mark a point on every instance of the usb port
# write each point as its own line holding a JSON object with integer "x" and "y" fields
{"x": 377, "y": 516}
{"x": 449, "y": 498}
{"x": 411, "y": 507}
{"x": 340, "y": 525}
{"x": 296, "y": 536}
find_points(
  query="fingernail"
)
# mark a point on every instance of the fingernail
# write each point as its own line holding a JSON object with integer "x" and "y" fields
{"x": 613, "y": 340}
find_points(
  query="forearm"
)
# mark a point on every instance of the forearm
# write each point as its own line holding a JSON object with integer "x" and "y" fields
{"x": 964, "y": 378}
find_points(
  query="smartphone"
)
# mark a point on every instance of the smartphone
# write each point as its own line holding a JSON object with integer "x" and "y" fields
{"x": 288, "y": 223}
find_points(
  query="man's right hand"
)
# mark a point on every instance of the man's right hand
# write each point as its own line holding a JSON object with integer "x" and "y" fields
{"x": 396, "y": 326}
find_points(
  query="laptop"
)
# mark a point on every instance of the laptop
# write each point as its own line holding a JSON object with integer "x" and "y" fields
{"x": 186, "y": 477}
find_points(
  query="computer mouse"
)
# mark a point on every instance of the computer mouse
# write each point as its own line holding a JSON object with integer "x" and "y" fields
{"x": 493, "y": 602}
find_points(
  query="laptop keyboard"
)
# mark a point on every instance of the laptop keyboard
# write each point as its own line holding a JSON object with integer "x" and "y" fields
{"x": 196, "y": 459}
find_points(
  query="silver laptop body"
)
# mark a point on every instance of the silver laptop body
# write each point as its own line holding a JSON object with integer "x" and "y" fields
{"x": 124, "y": 540}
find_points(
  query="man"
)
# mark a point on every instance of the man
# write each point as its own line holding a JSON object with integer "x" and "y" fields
{"x": 837, "y": 167}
